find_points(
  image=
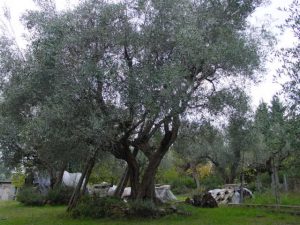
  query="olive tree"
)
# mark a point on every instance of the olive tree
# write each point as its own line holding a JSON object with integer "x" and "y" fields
{"x": 130, "y": 70}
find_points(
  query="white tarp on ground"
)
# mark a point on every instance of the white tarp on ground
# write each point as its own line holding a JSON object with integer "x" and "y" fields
{"x": 229, "y": 195}
{"x": 71, "y": 179}
{"x": 236, "y": 198}
{"x": 126, "y": 192}
{"x": 222, "y": 196}
{"x": 163, "y": 192}
{"x": 99, "y": 189}
{"x": 111, "y": 190}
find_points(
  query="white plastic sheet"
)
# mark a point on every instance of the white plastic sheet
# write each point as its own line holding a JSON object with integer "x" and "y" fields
{"x": 71, "y": 179}
{"x": 163, "y": 192}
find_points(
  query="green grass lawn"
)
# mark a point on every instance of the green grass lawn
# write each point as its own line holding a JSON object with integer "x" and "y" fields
{"x": 268, "y": 198}
{"x": 13, "y": 213}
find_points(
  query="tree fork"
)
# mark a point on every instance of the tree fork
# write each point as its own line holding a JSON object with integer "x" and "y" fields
{"x": 147, "y": 187}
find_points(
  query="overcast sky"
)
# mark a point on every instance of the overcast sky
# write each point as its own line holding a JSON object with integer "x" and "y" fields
{"x": 276, "y": 16}
{"x": 271, "y": 13}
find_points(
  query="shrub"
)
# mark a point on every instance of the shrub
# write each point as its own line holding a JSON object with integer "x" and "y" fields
{"x": 182, "y": 184}
{"x": 211, "y": 182}
{"x": 100, "y": 207}
{"x": 179, "y": 181}
{"x": 143, "y": 208}
{"x": 265, "y": 179}
{"x": 30, "y": 196}
{"x": 253, "y": 187}
{"x": 59, "y": 196}
{"x": 18, "y": 179}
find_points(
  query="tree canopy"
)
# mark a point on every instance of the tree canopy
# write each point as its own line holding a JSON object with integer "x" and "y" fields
{"x": 119, "y": 77}
{"x": 291, "y": 57}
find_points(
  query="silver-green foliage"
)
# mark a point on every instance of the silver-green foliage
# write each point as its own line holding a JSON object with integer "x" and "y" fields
{"x": 111, "y": 76}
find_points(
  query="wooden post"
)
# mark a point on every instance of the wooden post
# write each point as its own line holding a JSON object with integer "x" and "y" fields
{"x": 275, "y": 185}
{"x": 258, "y": 183}
{"x": 285, "y": 183}
{"x": 242, "y": 180}
{"x": 242, "y": 188}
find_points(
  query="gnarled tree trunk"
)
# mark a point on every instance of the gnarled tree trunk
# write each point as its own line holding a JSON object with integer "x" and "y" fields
{"x": 122, "y": 183}
{"x": 143, "y": 184}
{"x": 60, "y": 175}
{"x": 88, "y": 174}
{"x": 76, "y": 194}
{"x": 124, "y": 179}
{"x": 134, "y": 175}
{"x": 146, "y": 189}
{"x": 82, "y": 181}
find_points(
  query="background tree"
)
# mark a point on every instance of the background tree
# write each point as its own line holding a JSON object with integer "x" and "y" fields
{"x": 224, "y": 147}
{"x": 273, "y": 138}
{"x": 196, "y": 145}
{"x": 291, "y": 57}
{"x": 238, "y": 136}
